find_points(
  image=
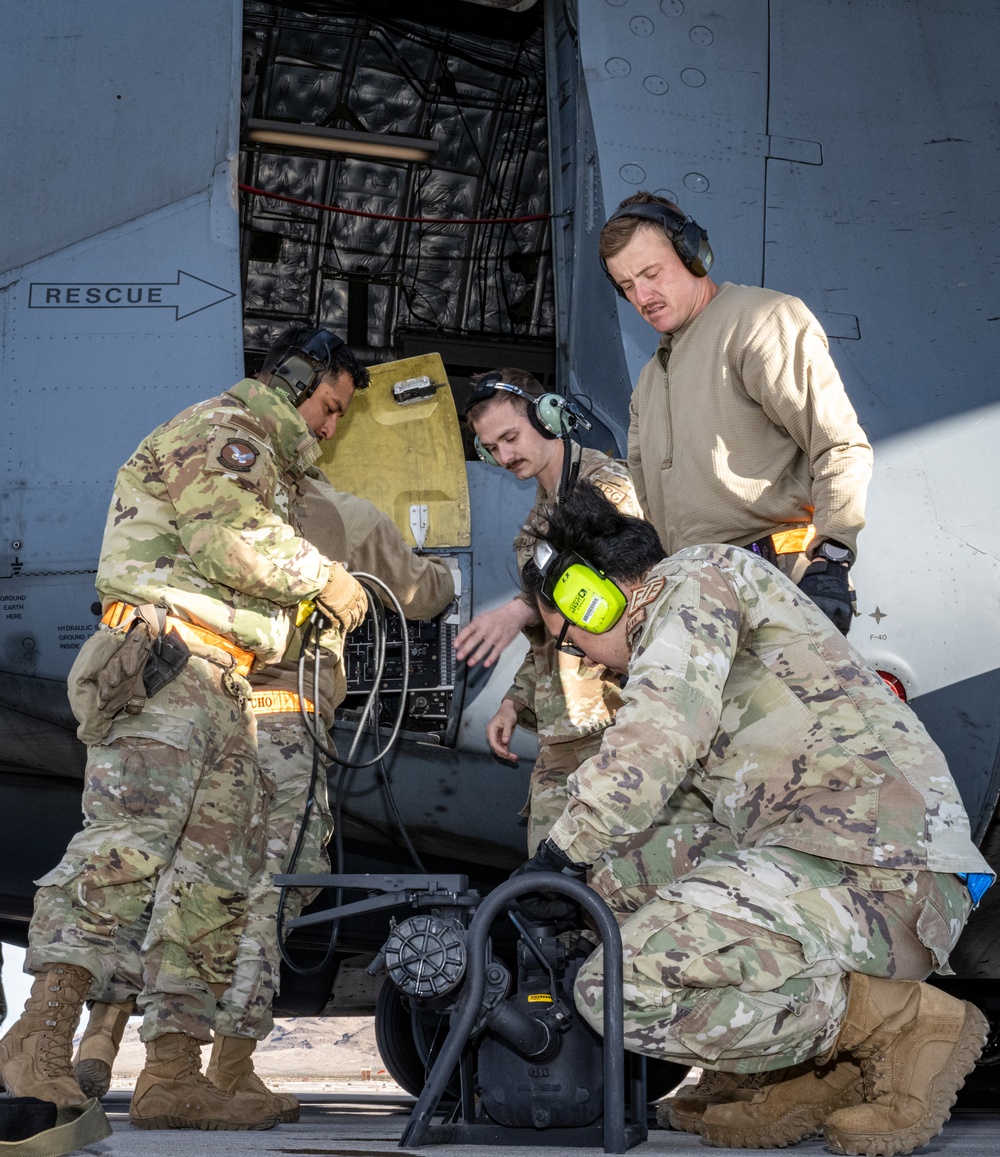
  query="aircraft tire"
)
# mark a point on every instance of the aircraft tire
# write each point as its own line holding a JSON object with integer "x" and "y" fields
{"x": 976, "y": 956}
{"x": 663, "y": 1077}
{"x": 408, "y": 1041}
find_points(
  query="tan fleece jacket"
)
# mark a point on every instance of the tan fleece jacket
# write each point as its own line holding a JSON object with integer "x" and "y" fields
{"x": 740, "y": 427}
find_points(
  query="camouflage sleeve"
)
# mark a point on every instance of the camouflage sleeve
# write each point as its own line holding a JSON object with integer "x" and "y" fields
{"x": 614, "y": 481}
{"x": 522, "y": 691}
{"x": 228, "y": 526}
{"x": 670, "y": 715}
{"x": 788, "y": 370}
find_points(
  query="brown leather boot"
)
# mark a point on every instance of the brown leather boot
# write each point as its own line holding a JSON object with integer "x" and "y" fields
{"x": 916, "y": 1045}
{"x": 231, "y": 1068}
{"x": 35, "y": 1055}
{"x": 172, "y": 1093}
{"x": 99, "y": 1045}
{"x": 685, "y": 1109}
{"x": 790, "y": 1105}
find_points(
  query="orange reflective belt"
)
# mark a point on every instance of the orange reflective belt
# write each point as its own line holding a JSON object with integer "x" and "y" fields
{"x": 118, "y": 613}
{"x": 272, "y": 702}
{"x": 793, "y": 541}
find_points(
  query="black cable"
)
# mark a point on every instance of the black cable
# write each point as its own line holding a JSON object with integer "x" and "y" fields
{"x": 380, "y": 635}
{"x": 365, "y": 579}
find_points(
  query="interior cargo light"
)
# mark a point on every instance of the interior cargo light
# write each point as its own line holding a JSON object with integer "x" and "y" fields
{"x": 894, "y": 683}
{"x": 347, "y": 141}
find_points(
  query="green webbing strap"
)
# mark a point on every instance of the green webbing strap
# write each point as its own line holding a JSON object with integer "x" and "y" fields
{"x": 75, "y": 1127}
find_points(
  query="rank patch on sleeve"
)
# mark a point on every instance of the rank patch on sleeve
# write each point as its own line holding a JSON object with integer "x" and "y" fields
{"x": 613, "y": 493}
{"x": 638, "y": 601}
{"x": 236, "y": 455}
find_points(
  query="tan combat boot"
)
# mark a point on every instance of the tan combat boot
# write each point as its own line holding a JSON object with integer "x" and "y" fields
{"x": 685, "y": 1109}
{"x": 916, "y": 1045}
{"x": 231, "y": 1068}
{"x": 788, "y": 1106}
{"x": 172, "y": 1093}
{"x": 99, "y": 1045}
{"x": 35, "y": 1055}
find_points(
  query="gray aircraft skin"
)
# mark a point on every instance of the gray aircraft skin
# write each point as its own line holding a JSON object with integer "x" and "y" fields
{"x": 845, "y": 153}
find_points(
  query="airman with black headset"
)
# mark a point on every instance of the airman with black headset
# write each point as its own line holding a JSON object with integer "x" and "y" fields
{"x": 301, "y": 363}
{"x": 200, "y": 573}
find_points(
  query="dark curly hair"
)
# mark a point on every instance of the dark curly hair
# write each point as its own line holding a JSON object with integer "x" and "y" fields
{"x": 587, "y": 522}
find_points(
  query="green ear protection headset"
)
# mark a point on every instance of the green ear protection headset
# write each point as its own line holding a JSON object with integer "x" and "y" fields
{"x": 689, "y": 240}
{"x": 551, "y": 415}
{"x": 581, "y": 593}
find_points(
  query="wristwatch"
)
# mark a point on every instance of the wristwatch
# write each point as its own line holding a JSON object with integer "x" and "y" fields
{"x": 834, "y": 552}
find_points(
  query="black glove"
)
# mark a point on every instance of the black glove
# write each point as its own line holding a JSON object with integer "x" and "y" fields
{"x": 826, "y": 584}
{"x": 549, "y": 907}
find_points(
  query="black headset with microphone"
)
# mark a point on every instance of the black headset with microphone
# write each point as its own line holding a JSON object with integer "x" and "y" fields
{"x": 304, "y": 367}
{"x": 689, "y": 240}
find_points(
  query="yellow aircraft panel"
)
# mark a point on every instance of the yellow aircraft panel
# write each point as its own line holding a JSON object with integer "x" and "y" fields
{"x": 398, "y": 456}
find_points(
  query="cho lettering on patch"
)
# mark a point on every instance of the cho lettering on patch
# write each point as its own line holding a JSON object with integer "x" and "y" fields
{"x": 237, "y": 455}
{"x": 639, "y": 600}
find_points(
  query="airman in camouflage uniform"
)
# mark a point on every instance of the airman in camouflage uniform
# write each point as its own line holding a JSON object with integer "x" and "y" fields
{"x": 350, "y": 529}
{"x": 198, "y": 541}
{"x": 846, "y": 831}
{"x": 566, "y": 703}
{"x": 353, "y": 531}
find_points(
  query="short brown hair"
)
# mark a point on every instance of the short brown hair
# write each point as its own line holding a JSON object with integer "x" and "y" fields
{"x": 617, "y": 234}
{"x": 513, "y": 377}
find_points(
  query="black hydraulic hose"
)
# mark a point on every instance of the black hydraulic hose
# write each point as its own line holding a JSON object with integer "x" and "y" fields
{"x": 366, "y": 579}
{"x": 463, "y": 1020}
{"x": 312, "y": 727}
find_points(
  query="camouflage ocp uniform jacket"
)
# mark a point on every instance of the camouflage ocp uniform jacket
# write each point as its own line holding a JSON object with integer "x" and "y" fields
{"x": 738, "y": 678}
{"x": 554, "y": 693}
{"x": 200, "y": 520}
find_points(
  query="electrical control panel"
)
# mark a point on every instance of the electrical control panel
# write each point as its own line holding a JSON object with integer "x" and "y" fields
{"x": 436, "y": 679}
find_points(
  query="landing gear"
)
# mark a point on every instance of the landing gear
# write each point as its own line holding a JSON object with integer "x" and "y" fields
{"x": 663, "y": 1077}
{"x": 408, "y": 1040}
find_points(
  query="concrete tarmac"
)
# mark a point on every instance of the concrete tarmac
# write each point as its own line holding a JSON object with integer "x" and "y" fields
{"x": 336, "y": 1126}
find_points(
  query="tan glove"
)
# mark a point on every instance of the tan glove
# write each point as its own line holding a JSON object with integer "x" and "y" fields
{"x": 343, "y": 598}
{"x": 119, "y": 684}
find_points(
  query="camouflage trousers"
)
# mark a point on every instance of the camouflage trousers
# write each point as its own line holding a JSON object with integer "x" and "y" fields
{"x": 175, "y": 811}
{"x": 693, "y": 828}
{"x": 286, "y": 755}
{"x": 244, "y": 1003}
{"x": 547, "y": 793}
{"x": 740, "y": 963}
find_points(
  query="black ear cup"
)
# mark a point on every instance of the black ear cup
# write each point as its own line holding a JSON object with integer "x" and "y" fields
{"x": 692, "y": 247}
{"x": 303, "y": 369}
{"x": 297, "y": 374}
{"x": 689, "y": 240}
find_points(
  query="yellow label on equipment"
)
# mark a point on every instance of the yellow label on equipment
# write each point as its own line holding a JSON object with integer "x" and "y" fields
{"x": 398, "y": 456}
{"x": 539, "y": 998}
